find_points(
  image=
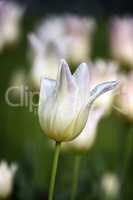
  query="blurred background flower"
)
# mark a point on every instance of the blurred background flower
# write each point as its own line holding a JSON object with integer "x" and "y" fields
{"x": 68, "y": 36}
{"x": 101, "y": 71}
{"x": 11, "y": 15}
{"x": 44, "y": 62}
{"x": 18, "y": 80}
{"x": 121, "y": 41}
{"x": 124, "y": 99}
{"x": 110, "y": 185}
{"x": 6, "y": 179}
{"x": 56, "y": 37}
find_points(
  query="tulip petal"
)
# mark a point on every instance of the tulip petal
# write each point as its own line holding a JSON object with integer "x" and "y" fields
{"x": 86, "y": 138}
{"x": 65, "y": 80}
{"x": 46, "y": 90}
{"x": 101, "y": 89}
{"x": 66, "y": 98}
{"x": 82, "y": 78}
{"x": 47, "y": 87}
{"x": 77, "y": 124}
{"x": 62, "y": 114}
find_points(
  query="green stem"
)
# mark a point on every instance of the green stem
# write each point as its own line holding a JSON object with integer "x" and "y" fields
{"x": 75, "y": 176}
{"x": 54, "y": 170}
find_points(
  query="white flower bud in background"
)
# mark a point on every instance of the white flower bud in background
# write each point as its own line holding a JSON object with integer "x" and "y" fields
{"x": 87, "y": 137}
{"x": 110, "y": 185}
{"x": 64, "y": 104}
{"x": 18, "y": 81}
{"x": 7, "y": 174}
{"x": 78, "y": 37}
{"x": 44, "y": 63}
{"x": 10, "y": 19}
{"x": 70, "y": 35}
{"x": 121, "y": 40}
{"x": 124, "y": 98}
{"x": 66, "y": 36}
{"x": 101, "y": 71}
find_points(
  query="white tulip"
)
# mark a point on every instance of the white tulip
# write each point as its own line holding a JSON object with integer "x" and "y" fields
{"x": 6, "y": 179}
{"x": 64, "y": 104}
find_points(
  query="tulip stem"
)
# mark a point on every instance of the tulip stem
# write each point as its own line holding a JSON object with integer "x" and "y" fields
{"x": 75, "y": 176}
{"x": 54, "y": 170}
